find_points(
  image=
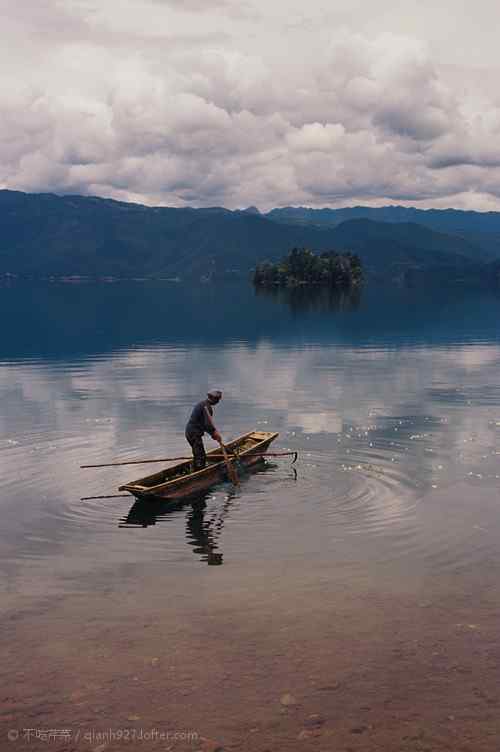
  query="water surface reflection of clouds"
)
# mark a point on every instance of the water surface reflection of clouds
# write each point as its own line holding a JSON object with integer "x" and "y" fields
{"x": 379, "y": 425}
{"x": 315, "y": 388}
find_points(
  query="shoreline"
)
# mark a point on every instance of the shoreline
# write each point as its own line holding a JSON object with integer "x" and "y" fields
{"x": 364, "y": 669}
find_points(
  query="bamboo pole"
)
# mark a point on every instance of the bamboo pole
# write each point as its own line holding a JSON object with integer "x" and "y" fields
{"x": 108, "y": 496}
{"x": 209, "y": 457}
{"x": 137, "y": 462}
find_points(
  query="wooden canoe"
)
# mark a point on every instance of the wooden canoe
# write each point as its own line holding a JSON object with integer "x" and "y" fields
{"x": 179, "y": 481}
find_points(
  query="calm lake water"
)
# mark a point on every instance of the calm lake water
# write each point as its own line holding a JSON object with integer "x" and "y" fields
{"x": 392, "y": 400}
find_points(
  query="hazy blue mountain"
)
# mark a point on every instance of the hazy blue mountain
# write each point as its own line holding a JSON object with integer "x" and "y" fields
{"x": 448, "y": 220}
{"x": 480, "y": 228}
{"x": 43, "y": 235}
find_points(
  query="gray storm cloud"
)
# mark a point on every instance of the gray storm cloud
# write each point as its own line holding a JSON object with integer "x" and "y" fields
{"x": 137, "y": 101}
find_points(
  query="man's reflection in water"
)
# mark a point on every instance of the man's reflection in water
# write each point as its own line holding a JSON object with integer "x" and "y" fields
{"x": 202, "y": 531}
{"x": 203, "y": 526}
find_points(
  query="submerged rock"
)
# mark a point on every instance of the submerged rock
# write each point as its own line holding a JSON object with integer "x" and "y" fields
{"x": 314, "y": 721}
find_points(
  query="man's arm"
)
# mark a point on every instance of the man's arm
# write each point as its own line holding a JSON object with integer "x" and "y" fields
{"x": 210, "y": 426}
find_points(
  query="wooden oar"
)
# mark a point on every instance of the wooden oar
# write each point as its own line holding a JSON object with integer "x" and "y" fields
{"x": 209, "y": 457}
{"x": 231, "y": 471}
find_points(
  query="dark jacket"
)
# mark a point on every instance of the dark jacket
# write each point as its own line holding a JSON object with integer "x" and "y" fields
{"x": 199, "y": 422}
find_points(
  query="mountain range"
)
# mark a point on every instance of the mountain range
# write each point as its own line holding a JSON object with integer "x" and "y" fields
{"x": 482, "y": 228}
{"x": 44, "y": 235}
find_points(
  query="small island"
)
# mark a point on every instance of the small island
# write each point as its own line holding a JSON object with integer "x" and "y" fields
{"x": 303, "y": 267}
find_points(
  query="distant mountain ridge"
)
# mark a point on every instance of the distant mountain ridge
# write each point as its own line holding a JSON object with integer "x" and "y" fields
{"x": 446, "y": 220}
{"x": 43, "y": 235}
{"x": 481, "y": 228}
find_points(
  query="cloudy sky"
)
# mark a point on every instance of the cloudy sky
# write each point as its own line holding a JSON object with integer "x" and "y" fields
{"x": 239, "y": 102}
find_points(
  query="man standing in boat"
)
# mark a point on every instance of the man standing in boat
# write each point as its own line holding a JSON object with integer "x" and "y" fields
{"x": 201, "y": 422}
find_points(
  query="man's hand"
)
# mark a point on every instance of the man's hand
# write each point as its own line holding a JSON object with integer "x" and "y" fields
{"x": 217, "y": 437}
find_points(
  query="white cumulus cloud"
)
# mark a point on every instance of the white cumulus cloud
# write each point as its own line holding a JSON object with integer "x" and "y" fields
{"x": 174, "y": 103}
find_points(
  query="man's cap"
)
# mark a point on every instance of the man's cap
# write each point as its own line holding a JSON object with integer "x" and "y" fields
{"x": 214, "y": 394}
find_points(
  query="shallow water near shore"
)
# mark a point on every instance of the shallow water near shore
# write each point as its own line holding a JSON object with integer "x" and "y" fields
{"x": 391, "y": 399}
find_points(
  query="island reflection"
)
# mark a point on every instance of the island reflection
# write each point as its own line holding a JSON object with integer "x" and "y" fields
{"x": 306, "y": 299}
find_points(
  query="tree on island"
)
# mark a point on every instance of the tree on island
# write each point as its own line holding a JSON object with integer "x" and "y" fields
{"x": 303, "y": 267}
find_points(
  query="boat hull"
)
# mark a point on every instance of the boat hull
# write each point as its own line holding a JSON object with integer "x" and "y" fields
{"x": 179, "y": 481}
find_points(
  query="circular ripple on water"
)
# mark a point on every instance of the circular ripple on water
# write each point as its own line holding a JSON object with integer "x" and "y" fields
{"x": 364, "y": 485}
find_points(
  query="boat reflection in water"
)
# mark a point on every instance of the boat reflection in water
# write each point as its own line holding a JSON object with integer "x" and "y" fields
{"x": 202, "y": 530}
{"x": 203, "y": 526}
